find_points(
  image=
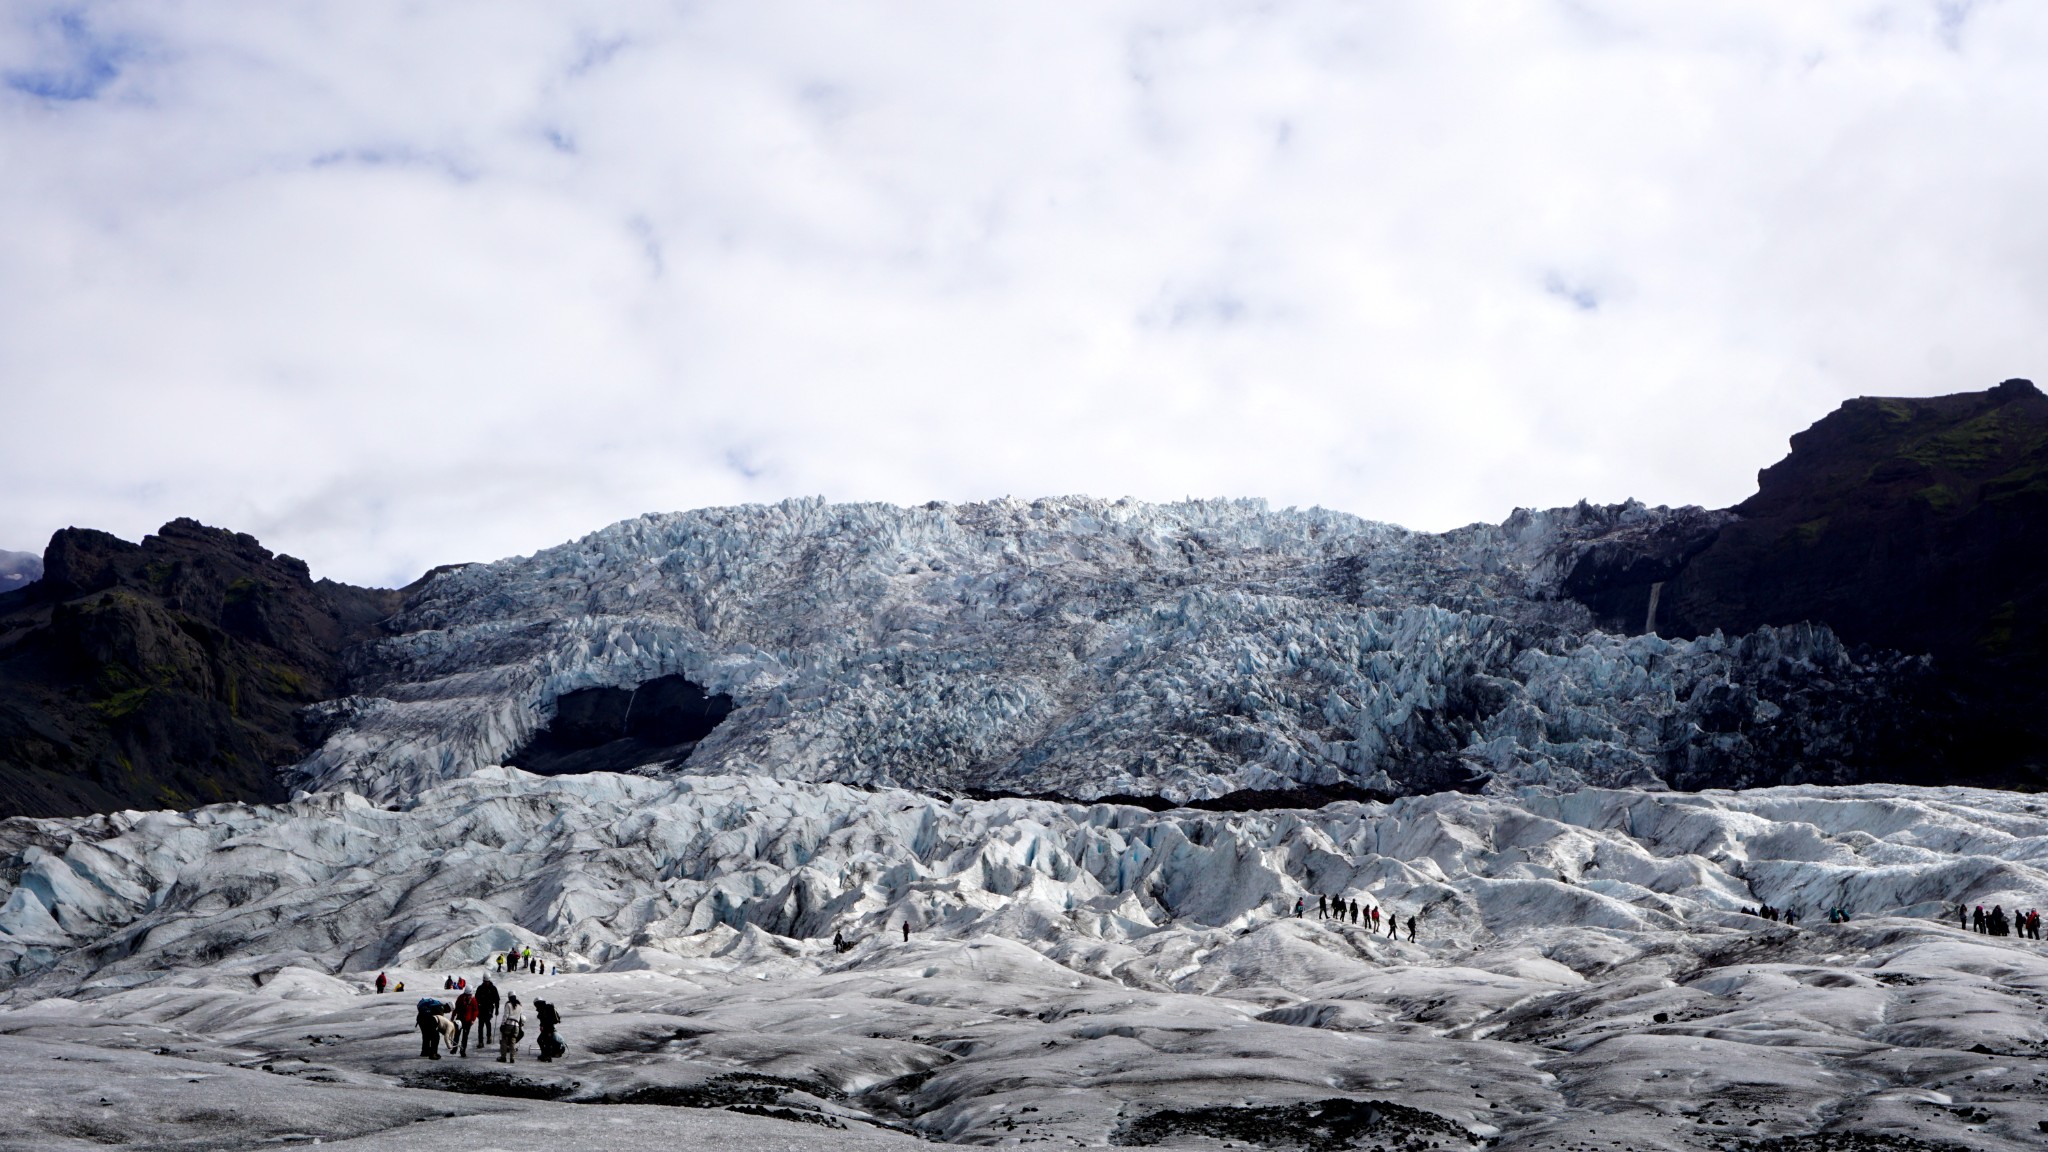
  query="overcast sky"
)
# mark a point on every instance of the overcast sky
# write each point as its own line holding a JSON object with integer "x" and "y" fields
{"x": 393, "y": 284}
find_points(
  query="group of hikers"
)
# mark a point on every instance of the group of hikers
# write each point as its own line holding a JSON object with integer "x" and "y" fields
{"x": 443, "y": 1024}
{"x": 1992, "y": 923}
{"x": 522, "y": 959}
{"x": 2026, "y": 925}
{"x": 1337, "y": 908}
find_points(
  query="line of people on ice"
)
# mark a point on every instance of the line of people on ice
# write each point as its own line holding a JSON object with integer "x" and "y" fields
{"x": 479, "y": 1013}
{"x": 1338, "y": 909}
{"x": 2026, "y": 925}
{"x": 1789, "y": 915}
{"x": 522, "y": 960}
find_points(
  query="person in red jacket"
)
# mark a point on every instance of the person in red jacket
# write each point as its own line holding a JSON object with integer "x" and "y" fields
{"x": 465, "y": 1019}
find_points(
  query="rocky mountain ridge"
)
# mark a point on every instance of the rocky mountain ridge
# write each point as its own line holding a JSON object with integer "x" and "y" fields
{"x": 168, "y": 673}
{"x": 1916, "y": 525}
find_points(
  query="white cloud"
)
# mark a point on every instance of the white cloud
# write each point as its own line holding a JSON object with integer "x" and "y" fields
{"x": 393, "y": 284}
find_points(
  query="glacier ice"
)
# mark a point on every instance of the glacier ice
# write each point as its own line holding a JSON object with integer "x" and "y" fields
{"x": 1087, "y": 648}
{"x": 1582, "y": 961}
{"x": 1584, "y": 973}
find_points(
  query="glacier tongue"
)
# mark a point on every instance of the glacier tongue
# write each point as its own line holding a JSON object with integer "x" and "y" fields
{"x": 601, "y": 867}
{"x": 1084, "y": 973}
{"x": 1088, "y": 648}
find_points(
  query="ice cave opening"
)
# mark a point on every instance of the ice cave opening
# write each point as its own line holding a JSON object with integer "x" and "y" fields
{"x": 617, "y": 729}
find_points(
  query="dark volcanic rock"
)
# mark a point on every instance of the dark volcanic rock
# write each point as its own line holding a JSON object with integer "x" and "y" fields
{"x": 1915, "y": 525}
{"x": 1621, "y": 574}
{"x": 1918, "y": 525}
{"x": 166, "y": 673}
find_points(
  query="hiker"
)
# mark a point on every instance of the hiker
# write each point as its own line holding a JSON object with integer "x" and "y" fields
{"x": 1299, "y": 905}
{"x": 510, "y": 1030}
{"x": 906, "y": 931}
{"x": 1322, "y": 907}
{"x": 838, "y": 941}
{"x": 486, "y": 1008}
{"x": 499, "y": 960}
{"x": 465, "y": 1019}
{"x": 448, "y": 985}
{"x": 551, "y": 1045}
{"x": 427, "y": 1015}
{"x": 380, "y": 983}
{"x": 1963, "y": 917}
{"x": 1411, "y": 929}
{"x": 1375, "y": 918}
{"x": 400, "y": 988}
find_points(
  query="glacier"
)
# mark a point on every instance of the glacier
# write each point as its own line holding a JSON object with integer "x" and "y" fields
{"x": 1086, "y": 648}
{"x": 1584, "y": 971}
{"x": 962, "y": 864}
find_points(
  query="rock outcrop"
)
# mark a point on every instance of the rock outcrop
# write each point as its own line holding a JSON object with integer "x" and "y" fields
{"x": 1916, "y": 525}
{"x": 167, "y": 673}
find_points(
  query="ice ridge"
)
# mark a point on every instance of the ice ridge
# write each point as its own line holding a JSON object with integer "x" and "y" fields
{"x": 599, "y": 869}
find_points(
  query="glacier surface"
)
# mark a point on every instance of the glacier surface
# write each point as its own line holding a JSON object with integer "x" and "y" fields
{"x": 926, "y": 704}
{"x": 1085, "y": 648}
{"x": 1583, "y": 975}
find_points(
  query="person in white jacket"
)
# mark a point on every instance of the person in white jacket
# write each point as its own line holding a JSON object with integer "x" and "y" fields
{"x": 510, "y": 1029}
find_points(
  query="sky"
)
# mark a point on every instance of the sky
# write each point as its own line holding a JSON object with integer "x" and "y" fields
{"x": 390, "y": 285}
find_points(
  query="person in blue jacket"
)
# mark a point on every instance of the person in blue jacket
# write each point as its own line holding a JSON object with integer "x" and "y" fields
{"x": 428, "y": 1018}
